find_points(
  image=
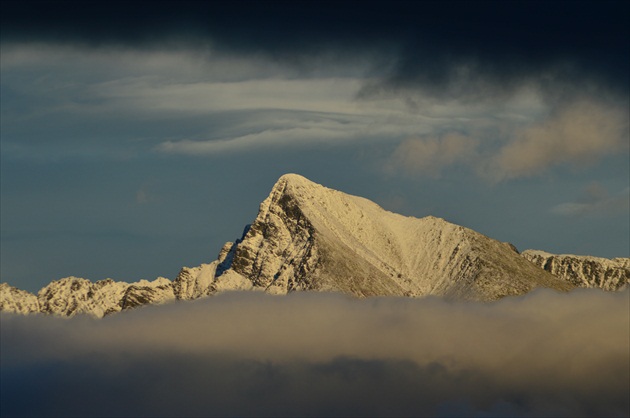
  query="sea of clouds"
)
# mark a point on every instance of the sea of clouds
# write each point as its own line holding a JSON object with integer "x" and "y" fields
{"x": 313, "y": 354}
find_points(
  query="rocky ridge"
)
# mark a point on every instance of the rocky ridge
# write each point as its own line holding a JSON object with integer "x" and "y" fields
{"x": 309, "y": 237}
{"x": 583, "y": 270}
{"x": 73, "y": 295}
{"x": 15, "y": 300}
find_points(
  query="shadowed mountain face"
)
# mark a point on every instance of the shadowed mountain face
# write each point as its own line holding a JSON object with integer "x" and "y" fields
{"x": 309, "y": 237}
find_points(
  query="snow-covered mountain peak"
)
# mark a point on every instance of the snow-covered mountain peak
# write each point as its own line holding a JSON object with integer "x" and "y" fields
{"x": 309, "y": 237}
{"x": 296, "y": 179}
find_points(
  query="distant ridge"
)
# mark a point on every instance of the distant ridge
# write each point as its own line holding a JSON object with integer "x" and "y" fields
{"x": 584, "y": 270}
{"x": 307, "y": 237}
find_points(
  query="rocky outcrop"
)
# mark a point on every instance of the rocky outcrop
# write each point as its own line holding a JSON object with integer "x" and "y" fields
{"x": 147, "y": 293}
{"x": 73, "y": 295}
{"x": 582, "y": 270}
{"x": 195, "y": 282}
{"x": 15, "y": 300}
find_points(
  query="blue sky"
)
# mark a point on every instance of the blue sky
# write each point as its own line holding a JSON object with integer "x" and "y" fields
{"x": 134, "y": 142}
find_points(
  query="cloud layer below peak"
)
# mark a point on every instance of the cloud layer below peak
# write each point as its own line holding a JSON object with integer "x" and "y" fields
{"x": 544, "y": 354}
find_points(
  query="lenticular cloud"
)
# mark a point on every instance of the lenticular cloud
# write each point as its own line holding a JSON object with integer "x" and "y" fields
{"x": 313, "y": 354}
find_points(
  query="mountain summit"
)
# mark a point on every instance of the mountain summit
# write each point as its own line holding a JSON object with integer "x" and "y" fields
{"x": 309, "y": 237}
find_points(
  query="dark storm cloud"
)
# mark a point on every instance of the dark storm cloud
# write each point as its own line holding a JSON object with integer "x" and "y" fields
{"x": 447, "y": 48}
{"x": 543, "y": 354}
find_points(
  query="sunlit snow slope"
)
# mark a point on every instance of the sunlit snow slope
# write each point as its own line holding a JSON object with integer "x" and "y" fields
{"x": 309, "y": 237}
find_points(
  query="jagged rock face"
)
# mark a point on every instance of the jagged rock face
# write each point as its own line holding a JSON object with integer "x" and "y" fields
{"x": 147, "y": 293}
{"x": 584, "y": 271}
{"x": 277, "y": 252}
{"x": 195, "y": 282}
{"x": 15, "y": 300}
{"x": 308, "y": 237}
{"x": 73, "y": 295}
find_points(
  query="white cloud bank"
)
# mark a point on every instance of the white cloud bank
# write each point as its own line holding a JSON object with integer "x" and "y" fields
{"x": 543, "y": 354}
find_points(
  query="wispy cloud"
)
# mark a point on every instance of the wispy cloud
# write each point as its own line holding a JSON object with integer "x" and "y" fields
{"x": 252, "y": 354}
{"x": 202, "y": 102}
{"x": 595, "y": 199}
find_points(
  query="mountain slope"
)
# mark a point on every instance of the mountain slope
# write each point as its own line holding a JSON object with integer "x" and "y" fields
{"x": 309, "y": 237}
